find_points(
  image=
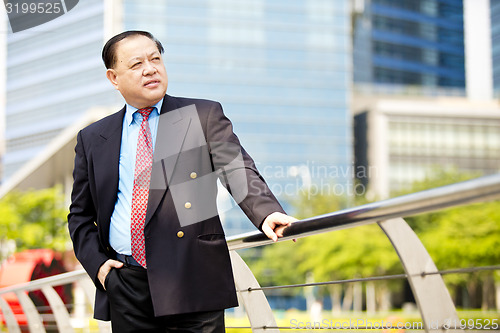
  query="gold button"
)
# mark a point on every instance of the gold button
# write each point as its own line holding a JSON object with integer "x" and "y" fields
{"x": 95, "y": 224}
{"x": 187, "y": 205}
{"x": 180, "y": 234}
{"x": 193, "y": 175}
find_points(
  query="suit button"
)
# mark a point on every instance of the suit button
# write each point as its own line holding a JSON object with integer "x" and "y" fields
{"x": 193, "y": 175}
{"x": 180, "y": 234}
{"x": 95, "y": 224}
{"x": 187, "y": 205}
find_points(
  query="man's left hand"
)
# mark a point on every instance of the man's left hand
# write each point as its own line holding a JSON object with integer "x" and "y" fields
{"x": 275, "y": 223}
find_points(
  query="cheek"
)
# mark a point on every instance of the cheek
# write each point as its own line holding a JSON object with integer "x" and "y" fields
{"x": 162, "y": 71}
{"x": 133, "y": 81}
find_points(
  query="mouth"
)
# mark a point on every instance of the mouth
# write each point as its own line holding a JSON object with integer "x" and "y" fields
{"x": 152, "y": 84}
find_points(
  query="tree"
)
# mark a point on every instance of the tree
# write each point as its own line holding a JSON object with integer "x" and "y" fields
{"x": 466, "y": 236}
{"x": 34, "y": 219}
{"x": 344, "y": 254}
{"x": 436, "y": 177}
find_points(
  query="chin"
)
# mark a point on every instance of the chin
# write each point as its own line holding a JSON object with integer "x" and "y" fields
{"x": 159, "y": 93}
{"x": 153, "y": 99}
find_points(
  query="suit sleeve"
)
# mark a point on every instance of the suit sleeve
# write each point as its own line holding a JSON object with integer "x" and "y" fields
{"x": 82, "y": 217}
{"x": 237, "y": 170}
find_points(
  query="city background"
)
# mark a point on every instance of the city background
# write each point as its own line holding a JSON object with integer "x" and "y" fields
{"x": 340, "y": 102}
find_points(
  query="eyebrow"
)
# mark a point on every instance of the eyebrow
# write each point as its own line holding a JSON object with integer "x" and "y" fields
{"x": 135, "y": 59}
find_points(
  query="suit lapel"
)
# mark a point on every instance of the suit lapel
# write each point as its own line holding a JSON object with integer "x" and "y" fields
{"x": 106, "y": 161}
{"x": 172, "y": 131}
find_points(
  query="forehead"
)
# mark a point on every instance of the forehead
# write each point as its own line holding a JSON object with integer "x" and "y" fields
{"x": 134, "y": 46}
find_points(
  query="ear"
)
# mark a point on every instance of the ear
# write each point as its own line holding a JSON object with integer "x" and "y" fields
{"x": 112, "y": 77}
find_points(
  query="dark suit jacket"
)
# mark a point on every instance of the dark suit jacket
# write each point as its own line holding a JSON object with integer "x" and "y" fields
{"x": 188, "y": 262}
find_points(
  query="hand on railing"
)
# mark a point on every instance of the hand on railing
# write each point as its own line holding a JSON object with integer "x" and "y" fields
{"x": 275, "y": 223}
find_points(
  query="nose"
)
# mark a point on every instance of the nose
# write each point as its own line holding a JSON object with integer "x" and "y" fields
{"x": 149, "y": 68}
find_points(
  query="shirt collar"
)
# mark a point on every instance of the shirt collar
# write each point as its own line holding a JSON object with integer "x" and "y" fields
{"x": 130, "y": 110}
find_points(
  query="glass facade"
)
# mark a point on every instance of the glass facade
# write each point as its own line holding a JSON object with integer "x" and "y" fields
{"x": 410, "y": 42}
{"x": 281, "y": 69}
{"x": 54, "y": 75}
{"x": 495, "y": 44}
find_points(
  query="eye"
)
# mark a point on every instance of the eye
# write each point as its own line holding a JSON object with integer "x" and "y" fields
{"x": 136, "y": 64}
{"x": 156, "y": 58}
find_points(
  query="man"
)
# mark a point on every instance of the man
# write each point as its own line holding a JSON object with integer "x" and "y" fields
{"x": 141, "y": 217}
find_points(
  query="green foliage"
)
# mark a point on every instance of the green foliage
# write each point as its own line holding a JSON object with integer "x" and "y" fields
{"x": 34, "y": 219}
{"x": 276, "y": 265}
{"x": 356, "y": 252}
{"x": 463, "y": 236}
{"x": 466, "y": 236}
{"x": 342, "y": 254}
{"x": 440, "y": 177}
{"x": 437, "y": 177}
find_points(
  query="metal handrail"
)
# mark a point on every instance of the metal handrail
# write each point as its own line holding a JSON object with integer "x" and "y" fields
{"x": 55, "y": 280}
{"x": 479, "y": 189}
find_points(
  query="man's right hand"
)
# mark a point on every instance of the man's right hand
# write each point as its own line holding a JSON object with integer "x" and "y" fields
{"x": 105, "y": 268}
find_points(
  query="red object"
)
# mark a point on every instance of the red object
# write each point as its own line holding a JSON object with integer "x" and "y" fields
{"x": 27, "y": 266}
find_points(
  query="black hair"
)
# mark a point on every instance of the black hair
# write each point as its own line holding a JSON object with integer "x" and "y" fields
{"x": 109, "y": 49}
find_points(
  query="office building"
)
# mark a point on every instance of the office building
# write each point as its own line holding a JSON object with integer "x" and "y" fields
{"x": 495, "y": 42}
{"x": 3, "y": 79}
{"x": 402, "y": 140}
{"x": 282, "y": 71}
{"x": 409, "y": 42}
{"x": 54, "y": 75}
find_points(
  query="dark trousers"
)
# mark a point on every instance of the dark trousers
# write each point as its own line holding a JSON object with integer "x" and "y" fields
{"x": 132, "y": 308}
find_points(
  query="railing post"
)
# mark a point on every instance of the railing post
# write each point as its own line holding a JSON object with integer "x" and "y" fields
{"x": 59, "y": 309}
{"x": 9, "y": 317}
{"x": 433, "y": 299}
{"x": 89, "y": 289}
{"x": 255, "y": 302}
{"x": 35, "y": 323}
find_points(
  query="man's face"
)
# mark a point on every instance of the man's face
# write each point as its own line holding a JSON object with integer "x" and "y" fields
{"x": 139, "y": 73}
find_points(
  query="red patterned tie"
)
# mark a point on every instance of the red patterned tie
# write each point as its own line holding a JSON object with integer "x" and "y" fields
{"x": 140, "y": 193}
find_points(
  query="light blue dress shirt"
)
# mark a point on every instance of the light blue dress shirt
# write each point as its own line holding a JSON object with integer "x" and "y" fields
{"x": 119, "y": 229}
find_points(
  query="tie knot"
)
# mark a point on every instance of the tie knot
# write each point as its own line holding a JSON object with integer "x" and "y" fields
{"x": 145, "y": 112}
